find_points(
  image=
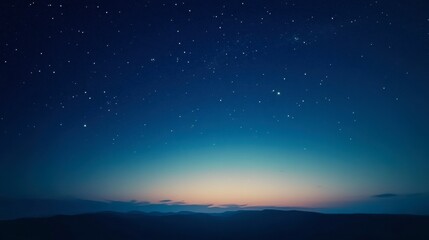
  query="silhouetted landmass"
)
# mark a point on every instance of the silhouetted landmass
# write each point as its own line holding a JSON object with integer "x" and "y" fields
{"x": 266, "y": 224}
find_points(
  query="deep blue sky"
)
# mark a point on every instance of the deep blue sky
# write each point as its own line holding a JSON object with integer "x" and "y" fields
{"x": 257, "y": 103}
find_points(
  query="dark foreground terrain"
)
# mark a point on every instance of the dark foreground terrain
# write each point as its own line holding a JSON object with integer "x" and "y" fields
{"x": 267, "y": 224}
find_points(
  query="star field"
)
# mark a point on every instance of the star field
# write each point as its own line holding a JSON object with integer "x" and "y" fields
{"x": 103, "y": 99}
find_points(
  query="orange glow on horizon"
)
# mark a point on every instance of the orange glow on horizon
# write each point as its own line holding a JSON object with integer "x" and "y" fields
{"x": 249, "y": 189}
{"x": 234, "y": 176}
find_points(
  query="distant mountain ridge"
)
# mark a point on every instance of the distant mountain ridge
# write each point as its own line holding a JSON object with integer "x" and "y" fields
{"x": 265, "y": 224}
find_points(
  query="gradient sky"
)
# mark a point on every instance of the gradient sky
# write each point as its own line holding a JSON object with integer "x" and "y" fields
{"x": 257, "y": 103}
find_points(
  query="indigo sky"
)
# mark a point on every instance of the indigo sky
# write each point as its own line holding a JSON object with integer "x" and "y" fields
{"x": 256, "y": 103}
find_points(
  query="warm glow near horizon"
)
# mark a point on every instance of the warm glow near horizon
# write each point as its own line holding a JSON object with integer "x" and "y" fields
{"x": 242, "y": 176}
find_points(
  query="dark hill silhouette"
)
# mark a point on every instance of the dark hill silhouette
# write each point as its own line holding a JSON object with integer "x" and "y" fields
{"x": 266, "y": 224}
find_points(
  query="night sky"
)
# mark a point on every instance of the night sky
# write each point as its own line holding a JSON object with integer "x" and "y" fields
{"x": 253, "y": 103}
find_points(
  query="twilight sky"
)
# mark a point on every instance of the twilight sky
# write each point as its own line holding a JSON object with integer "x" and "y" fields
{"x": 257, "y": 103}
